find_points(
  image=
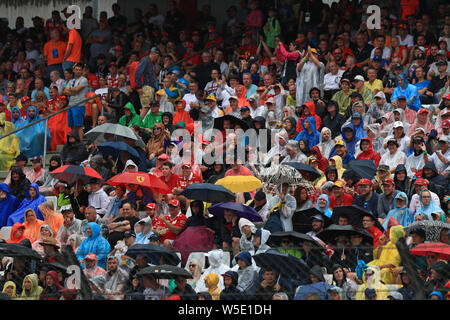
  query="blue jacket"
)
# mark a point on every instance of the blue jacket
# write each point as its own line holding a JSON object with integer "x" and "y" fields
{"x": 7, "y": 205}
{"x": 403, "y": 215}
{"x": 371, "y": 205}
{"x": 27, "y": 203}
{"x": 409, "y": 91}
{"x": 327, "y": 211}
{"x": 94, "y": 244}
{"x": 32, "y": 138}
{"x": 146, "y": 69}
{"x": 314, "y": 137}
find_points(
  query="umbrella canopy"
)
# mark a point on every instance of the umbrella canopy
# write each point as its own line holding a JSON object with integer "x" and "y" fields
{"x": 113, "y": 132}
{"x": 114, "y": 148}
{"x": 208, "y": 192}
{"x": 238, "y": 184}
{"x": 440, "y": 248}
{"x": 72, "y": 173}
{"x": 303, "y": 167}
{"x": 355, "y": 215}
{"x": 142, "y": 179}
{"x": 364, "y": 168}
{"x": 153, "y": 253}
{"x": 432, "y": 229}
{"x": 281, "y": 174}
{"x": 330, "y": 234}
{"x": 193, "y": 239}
{"x": 218, "y": 122}
{"x": 301, "y": 220}
{"x": 286, "y": 265}
{"x": 242, "y": 210}
{"x": 18, "y": 250}
{"x": 165, "y": 271}
{"x": 296, "y": 237}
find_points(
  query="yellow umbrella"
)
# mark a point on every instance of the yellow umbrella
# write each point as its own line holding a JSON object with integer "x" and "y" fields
{"x": 238, "y": 184}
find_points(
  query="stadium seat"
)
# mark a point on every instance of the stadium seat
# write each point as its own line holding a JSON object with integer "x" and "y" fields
{"x": 5, "y": 232}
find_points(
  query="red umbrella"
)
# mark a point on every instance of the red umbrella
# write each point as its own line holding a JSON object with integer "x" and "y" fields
{"x": 142, "y": 179}
{"x": 71, "y": 173}
{"x": 193, "y": 239}
{"x": 435, "y": 247}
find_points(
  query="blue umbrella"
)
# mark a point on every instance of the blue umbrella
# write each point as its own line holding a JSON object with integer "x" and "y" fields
{"x": 208, "y": 192}
{"x": 114, "y": 148}
{"x": 321, "y": 288}
{"x": 242, "y": 211}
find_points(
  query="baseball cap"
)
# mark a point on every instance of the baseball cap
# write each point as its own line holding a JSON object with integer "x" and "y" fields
{"x": 211, "y": 97}
{"x": 314, "y": 50}
{"x": 186, "y": 165}
{"x": 66, "y": 208}
{"x": 401, "y": 98}
{"x": 388, "y": 181}
{"x": 422, "y": 110}
{"x": 26, "y": 98}
{"x": 129, "y": 233}
{"x": 444, "y": 138}
{"x": 340, "y": 143}
{"x": 228, "y": 274}
{"x": 403, "y": 26}
{"x": 155, "y": 50}
{"x": 155, "y": 237}
{"x": 442, "y": 53}
{"x": 21, "y": 157}
{"x": 421, "y": 182}
{"x": 260, "y": 89}
{"x": 441, "y": 63}
{"x": 396, "y": 295}
{"x": 189, "y": 44}
{"x": 356, "y": 115}
{"x": 383, "y": 167}
{"x": 113, "y": 63}
{"x": 421, "y": 56}
{"x": 91, "y": 256}
{"x": 377, "y": 58}
{"x": 317, "y": 217}
{"x": 118, "y": 48}
{"x": 338, "y": 184}
{"x": 151, "y": 205}
{"x": 393, "y": 140}
{"x": 380, "y": 94}
{"x": 398, "y": 124}
{"x": 36, "y": 159}
{"x": 253, "y": 97}
{"x": 364, "y": 182}
{"x": 359, "y": 78}
{"x": 163, "y": 156}
{"x": 245, "y": 108}
{"x": 174, "y": 203}
{"x": 270, "y": 100}
{"x": 233, "y": 97}
{"x": 446, "y": 124}
{"x": 344, "y": 79}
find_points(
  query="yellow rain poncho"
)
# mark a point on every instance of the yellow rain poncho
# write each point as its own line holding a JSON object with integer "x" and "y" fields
{"x": 389, "y": 256}
{"x": 35, "y": 291}
{"x": 9, "y": 146}
{"x": 212, "y": 279}
{"x": 13, "y": 285}
{"x": 373, "y": 283}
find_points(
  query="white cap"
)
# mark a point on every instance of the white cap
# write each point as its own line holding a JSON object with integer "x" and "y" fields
{"x": 421, "y": 48}
{"x": 359, "y": 77}
{"x": 233, "y": 97}
{"x": 380, "y": 94}
{"x": 398, "y": 124}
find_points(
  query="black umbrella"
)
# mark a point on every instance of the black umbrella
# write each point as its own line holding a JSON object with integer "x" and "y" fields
{"x": 165, "y": 271}
{"x": 330, "y": 234}
{"x": 286, "y": 265}
{"x": 355, "y": 215}
{"x": 153, "y": 254}
{"x": 218, "y": 122}
{"x": 301, "y": 220}
{"x": 208, "y": 192}
{"x": 364, "y": 168}
{"x": 303, "y": 167}
{"x": 296, "y": 237}
{"x": 18, "y": 250}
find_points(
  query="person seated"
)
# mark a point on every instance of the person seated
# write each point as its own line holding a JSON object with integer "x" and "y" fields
{"x": 32, "y": 200}
{"x": 94, "y": 243}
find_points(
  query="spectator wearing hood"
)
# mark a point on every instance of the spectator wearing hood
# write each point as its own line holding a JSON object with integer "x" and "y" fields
{"x": 130, "y": 116}
{"x": 94, "y": 243}
{"x": 440, "y": 274}
{"x": 216, "y": 265}
{"x": 316, "y": 284}
{"x": 293, "y": 153}
{"x": 211, "y": 283}
{"x": 248, "y": 230}
{"x": 371, "y": 279}
{"x": 310, "y": 132}
{"x": 181, "y": 115}
{"x": 308, "y": 109}
{"x": 400, "y": 211}
{"x": 322, "y": 205}
{"x": 367, "y": 151}
{"x": 32, "y": 142}
{"x": 32, "y": 200}
{"x": 422, "y": 121}
{"x": 8, "y": 204}
{"x": 18, "y": 182}
{"x": 379, "y": 107}
{"x": 9, "y": 146}
{"x": 74, "y": 151}
{"x": 231, "y": 290}
{"x": 401, "y": 179}
{"x": 47, "y": 182}
{"x": 333, "y": 120}
{"x": 428, "y": 207}
{"x": 326, "y": 142}
{"x": 438, "y": 183}
{"x": 406, "y": 90}
{"x": 340, "y": 280}
{"x": 247, "y": 274}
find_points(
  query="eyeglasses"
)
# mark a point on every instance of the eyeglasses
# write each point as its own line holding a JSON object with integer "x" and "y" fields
{"x": 156, "y": 128}
{"x": 192, "y": 265}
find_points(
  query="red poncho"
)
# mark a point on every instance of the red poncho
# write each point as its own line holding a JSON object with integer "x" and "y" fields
{"x": 369, "y": 154}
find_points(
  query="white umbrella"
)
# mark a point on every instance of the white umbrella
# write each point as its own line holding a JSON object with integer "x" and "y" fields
{"x": 113, "y": 132}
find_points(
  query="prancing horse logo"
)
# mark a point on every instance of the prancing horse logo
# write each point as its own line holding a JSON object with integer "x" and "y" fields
{"x": 140, "y": 179}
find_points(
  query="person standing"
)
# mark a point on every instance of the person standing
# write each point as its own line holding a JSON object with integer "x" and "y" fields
{"x": 54, "y": 51}
{"x": 73, "y": 49}
{"x": 310, "y": 73}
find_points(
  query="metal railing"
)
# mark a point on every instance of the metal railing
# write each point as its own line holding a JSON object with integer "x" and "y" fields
{"x": 46, "y": 124}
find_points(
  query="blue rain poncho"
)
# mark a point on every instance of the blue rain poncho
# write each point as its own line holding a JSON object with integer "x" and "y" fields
{"x": 326, "y": 211}
{"x": 314, "y": 137}
{"x": 409, "y": 91}
{"x": 7, "y": 205}
{"x": 32, "y": 138}
{"x": 94, "y": 244}
{"x": 27, "y": 203}
{"x": 403, "y": 215}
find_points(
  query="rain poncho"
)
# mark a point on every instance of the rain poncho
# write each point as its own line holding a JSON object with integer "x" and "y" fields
{"x": 350, "y": 144}
{"x": 313, "y": 137}
{"x": 7, "y": 205}
{"x": 359, "y": 131}
{"x": 216, "y": 265}
{"x": 95, "y": 244}
{"x": 32, "y": 229}
{"x": 308, "y": 77}
{"x": 326, "y": 146}
{"x": 369, "y": 154}
{"x": 373, "y": 283}
{"x": 35, "y": 291}
{"x": 13, "y": 238}
{"x": 10, "y": 284}
{"x": 409, "y": 91}
{"x": 213, "y": 279}
{"x": 27, "y": 203}
{"x": 338, "y": 165}
{"x": 52, "y": 218}
{"x": 59, "y": 129}
{"x": 264, "y": 235}
{"x": 247, "y": 276}
{"x": 311, "y": 106}
{"x": 393, "y": 160}
{"x": 32, "y": 138}
{"x": 135, "y": 118}
{"x": 9, "y": 146}
{"x": 343, "y": 100}
{"x": 389, "y": 255}
{"x": 322, "y": 161}
{"x": 245, "y": 243}
{"x": 430, "y": 208}
{"x": 427, "y": 126}
{"x": 181, "y": 115}
{"x": 325, "y": 211}
{"x": 403, "y": 215}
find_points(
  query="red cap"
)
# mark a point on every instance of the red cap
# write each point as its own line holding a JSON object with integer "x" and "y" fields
{"x": 300, "y": 40}
{"x": 26, "y": 98}
{"x": 151, "y": 205}
{"x": 91, "y": 256}
{"x": 364, "y": 182}
{"x": 118, "y": 48}
{"x": 163, "y": 156}
{"x": 446, "y": 124}
{"x": 174, "y": 203}
{"x": 103, "y": 20}
{"x": 341, "y": 36}
{"x": 447, "y": 96}
{"x": 189, "y": 44}
{"x": 389, "y": 181}
{"x": 422, "y": 110}
{"x": 421, "y": 182}
{"x": 186, "y": 165}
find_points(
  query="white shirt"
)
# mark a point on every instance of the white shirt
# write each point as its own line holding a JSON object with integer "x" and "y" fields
{"x": 409, "y": 40}
{"x": 386, "y": 53}
{"x": 440, "y": 166}
{"x": 261, "y": 111}
{"x": 287, "y": 210}
{"x": 414, "y": 162}
{"x": 100, "y": 201}
{"x": 189, "y": 97}
{"x": 331, "y": 81}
